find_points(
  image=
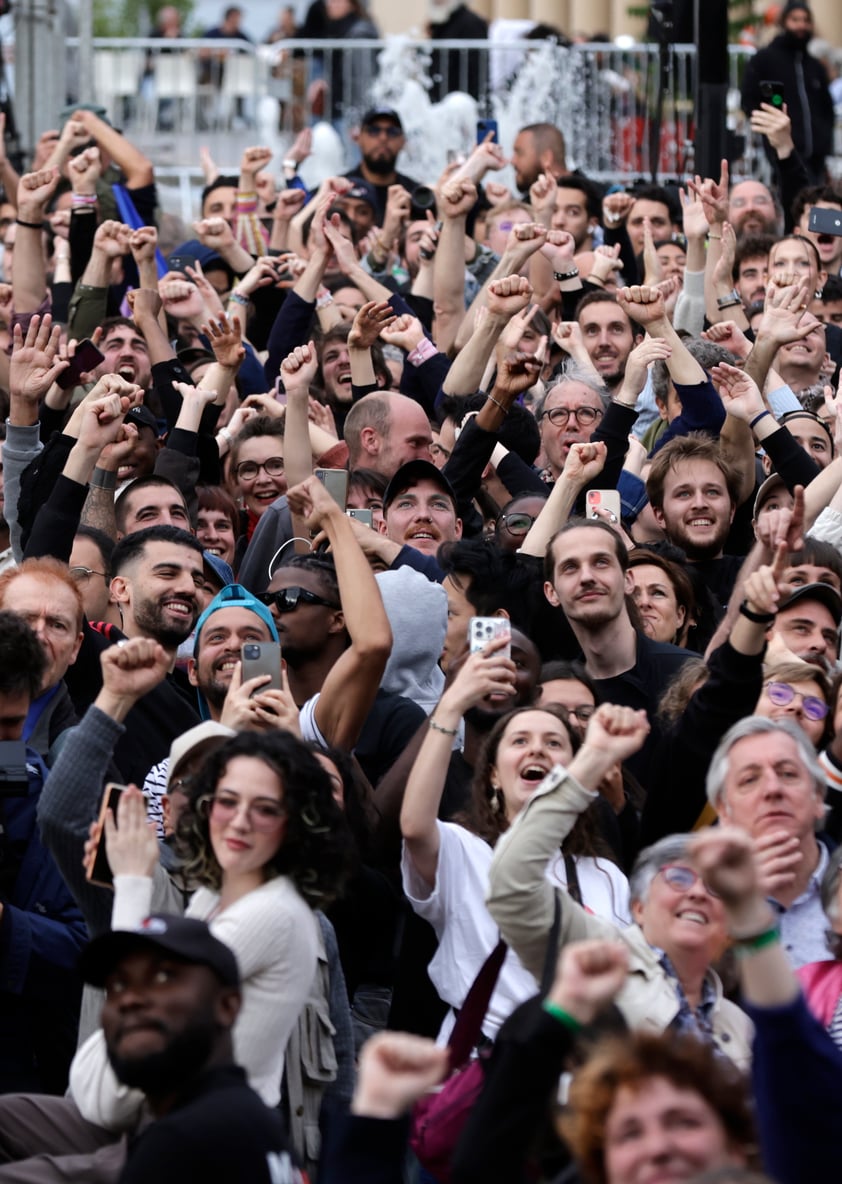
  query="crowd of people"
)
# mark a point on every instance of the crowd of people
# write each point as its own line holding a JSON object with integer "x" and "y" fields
{"x": 419, "y": 667}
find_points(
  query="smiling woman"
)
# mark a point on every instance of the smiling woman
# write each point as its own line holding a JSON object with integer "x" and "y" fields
{"x": 445, "y": 864}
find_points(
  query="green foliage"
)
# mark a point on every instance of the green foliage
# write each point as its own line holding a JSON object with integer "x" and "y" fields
{"x": 133, "y": 18}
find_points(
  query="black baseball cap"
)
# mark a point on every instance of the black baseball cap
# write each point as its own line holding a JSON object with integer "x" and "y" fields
{"x": 825, "y": 594}
{"x": 382, "y": 113}
{"x": 413, "y": 472}
{"x": 142, "y": 417}
{"x": 186, "y": 939}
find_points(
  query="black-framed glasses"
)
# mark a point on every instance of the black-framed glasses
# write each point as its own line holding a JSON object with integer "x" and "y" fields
{"x": 288, "y": 599}
{"x": 517, "y": 523}
{"x": 560, "y": 416}
{"x": 82, "y": 574}
{"x": 383, "y": 129}
{"x": 247, "y": 470}
{"x": 782, "y": 694}
{"x": 582, "y": 713}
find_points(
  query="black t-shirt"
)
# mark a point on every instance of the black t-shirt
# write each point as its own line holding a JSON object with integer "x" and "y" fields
{"x": 219, "y": 1130}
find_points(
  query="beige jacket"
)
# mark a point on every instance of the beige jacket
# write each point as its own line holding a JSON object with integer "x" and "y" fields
{"x": 521, "y": 901}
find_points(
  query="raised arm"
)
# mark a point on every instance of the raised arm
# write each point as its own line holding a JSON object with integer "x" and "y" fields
{"x": 521, "y": 899}
{"x": 338, "y": 714}
{"x": 485, "y": 673}
{"x": 29, "y": 276}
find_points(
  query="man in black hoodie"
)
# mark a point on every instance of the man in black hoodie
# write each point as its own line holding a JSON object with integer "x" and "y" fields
{"x": 806, "y": 89}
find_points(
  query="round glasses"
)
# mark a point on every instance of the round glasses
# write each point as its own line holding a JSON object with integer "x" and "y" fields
{"x": 247, "y": 470}
{"x": 560, "y": 416}
{"x": 682, "y": 879}
{"x": 517, "y": 523}
{"x": 782, "y": 694}
{"x": 263, "y": 814}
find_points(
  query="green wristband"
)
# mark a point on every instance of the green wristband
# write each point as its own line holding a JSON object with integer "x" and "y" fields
{"x": 744, "y": 947}
{"x": 563, "y": 1017}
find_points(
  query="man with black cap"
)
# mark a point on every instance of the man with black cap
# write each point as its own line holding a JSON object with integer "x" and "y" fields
{"x": 361, "y": 204}
{"x": 806, "y": 88}
{"x": 172, "y": 995}
{"x": 807, "y": 623}
{"x": 380, "y": 141}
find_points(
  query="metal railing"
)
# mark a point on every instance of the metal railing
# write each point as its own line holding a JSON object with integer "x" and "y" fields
{"x": 164, "y": 93}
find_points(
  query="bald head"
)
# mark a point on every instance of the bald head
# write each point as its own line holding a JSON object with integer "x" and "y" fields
{"x": 384, "y": 431}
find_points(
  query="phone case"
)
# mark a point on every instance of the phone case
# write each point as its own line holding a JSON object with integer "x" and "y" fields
{"x": 481, "y": 630}
{"x": 262, "y": 657}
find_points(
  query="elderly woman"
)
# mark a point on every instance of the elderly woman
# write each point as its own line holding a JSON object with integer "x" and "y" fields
{"x": 679, "y": 929}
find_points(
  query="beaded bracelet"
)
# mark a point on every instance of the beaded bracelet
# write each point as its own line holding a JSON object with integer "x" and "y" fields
{"x": 437, "y": 727}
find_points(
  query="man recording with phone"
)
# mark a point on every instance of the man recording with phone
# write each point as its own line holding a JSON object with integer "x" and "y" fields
{"x": 806, "y": 89}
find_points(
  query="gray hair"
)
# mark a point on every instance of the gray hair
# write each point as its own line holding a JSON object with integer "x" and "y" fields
{"x": 707, "y": 353}
{"x": 671, "y": 849}
{"x": 570, "y": 372}
{"x": 758, "y": 725}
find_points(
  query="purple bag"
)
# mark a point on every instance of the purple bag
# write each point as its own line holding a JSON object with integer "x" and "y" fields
{"x": 438, "y": 1118}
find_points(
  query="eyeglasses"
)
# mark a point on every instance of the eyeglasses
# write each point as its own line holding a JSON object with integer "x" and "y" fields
{"x": 582, "y": 713}
{"x": 517, "y": 523}
{"x": 382, "y": 129}
{"x": 584, "y": 416}
{"x": 288, "y": 599}
{"x": 682, "y": 879}
{"x": 262, "y": 814}
{"x": 782, "y": 694}
{"x": 82, "y": 574}
{"x": 247, "y": 470}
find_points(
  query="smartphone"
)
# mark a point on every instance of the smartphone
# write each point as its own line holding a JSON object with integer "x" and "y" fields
{"x": 98, "y": 870}
{"x": 603, "y": 499}
{"x": 364, "y": 516}
{"x": 481, "y": 630}
{"x": 86, "y": 358}
{"x": 484, "y": 126}
{"x": 335, "y": 482}
{"x": 262, "y": 657}
{"x": 280, "y": 393}
{"x": 181, "y": 263}
{"x": 823, "y": 221}
{"x": 773, "y": 92}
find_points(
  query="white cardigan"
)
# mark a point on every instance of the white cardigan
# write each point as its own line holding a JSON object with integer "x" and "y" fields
{"x": 275, "y": 937}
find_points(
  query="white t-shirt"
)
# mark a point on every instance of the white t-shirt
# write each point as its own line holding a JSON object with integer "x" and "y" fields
{"x": 455, "y": 907}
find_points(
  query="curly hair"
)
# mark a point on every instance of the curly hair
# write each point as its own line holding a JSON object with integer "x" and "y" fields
{"x": 317, "y": 848}
{"x": 631, "y": 1062}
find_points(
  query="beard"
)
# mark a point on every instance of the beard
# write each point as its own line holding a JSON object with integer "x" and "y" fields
{"x": 382, "y": 166}
{"x": 183, "y": 1057}
{"x": 149, "y": 616}
{"x": 698, "y": 552}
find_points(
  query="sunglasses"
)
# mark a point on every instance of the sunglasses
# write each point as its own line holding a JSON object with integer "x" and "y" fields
{"x": 782, "y": 694}
{"x": 380, "y": 129}
{"x": 288, "y": 599}
{"x": 262, "y": 815}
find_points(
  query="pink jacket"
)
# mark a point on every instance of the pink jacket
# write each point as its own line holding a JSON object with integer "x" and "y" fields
{"x": 822, "y": 984}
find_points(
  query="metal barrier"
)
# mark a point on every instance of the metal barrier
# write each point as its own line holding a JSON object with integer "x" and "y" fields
{"x": 602, "y": 96}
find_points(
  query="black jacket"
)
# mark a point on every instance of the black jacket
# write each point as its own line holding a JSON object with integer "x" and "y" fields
{"x": 807, "y": 94}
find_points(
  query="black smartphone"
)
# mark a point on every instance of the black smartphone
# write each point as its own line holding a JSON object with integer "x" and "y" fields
{"x": 824, "y": 221}
{"x": 181, "y": 263}
{"x": 484, "y": 126}
{"x": 86, "y": 359}
{"x": 262, "y": 657}
{"x": 98, "y": 871}
{"x": 773, "y": 92}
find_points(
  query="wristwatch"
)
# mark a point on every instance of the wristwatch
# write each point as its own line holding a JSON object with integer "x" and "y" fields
{"x": 728, "y": 301}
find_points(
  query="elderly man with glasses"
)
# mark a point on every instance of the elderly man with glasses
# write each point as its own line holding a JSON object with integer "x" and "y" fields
{"x": 568, "y": 414}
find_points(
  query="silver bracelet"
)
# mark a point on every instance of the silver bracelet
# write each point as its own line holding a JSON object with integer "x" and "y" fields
{"x": 437, "y": 727}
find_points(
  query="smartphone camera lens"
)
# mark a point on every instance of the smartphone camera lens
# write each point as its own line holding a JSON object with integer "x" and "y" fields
{"x": 252, "y": 652}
